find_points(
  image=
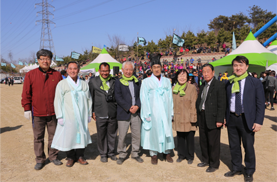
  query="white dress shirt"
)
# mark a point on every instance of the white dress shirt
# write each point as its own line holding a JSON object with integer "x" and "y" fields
{"x": 209, "y": 83}
{"x": 233, "y": 97}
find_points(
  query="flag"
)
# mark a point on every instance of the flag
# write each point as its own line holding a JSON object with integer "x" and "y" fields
{"x": 141, "y": 40}
{"x": 58, "y": 59}
{"x": 3, "y": 64}
{"x": 26, "y": 63}
{"x": 178, "y": 40}
{"x": 36, "y": 60}
{"x": 234, "y": 44}
{"x": 13, "y": 66}
{"x": 105, "y": 46}
{"x": 75, "y": 55}
{"x": 96, "y": 50}
{"x": 20, "y": 63}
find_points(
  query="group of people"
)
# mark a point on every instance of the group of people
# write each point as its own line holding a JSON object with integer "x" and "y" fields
{"x": 151, "y": 108}
{"x": 9, "y": 81}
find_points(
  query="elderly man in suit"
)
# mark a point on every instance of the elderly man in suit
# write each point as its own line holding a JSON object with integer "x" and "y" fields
{"x": 104, "y": 111}
{"x": 127, "y": 91}
{"x": 244, "y": 116}
{"x": 210, "y": 105}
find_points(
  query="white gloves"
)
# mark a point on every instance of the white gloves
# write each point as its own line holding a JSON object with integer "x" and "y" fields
{"x": 60, "y": 121}
{"x": 148, "y": 119}
{"x": 28, "y": 114}
{"x": 89, "y": 119}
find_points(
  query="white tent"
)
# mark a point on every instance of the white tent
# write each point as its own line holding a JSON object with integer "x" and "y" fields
{"x": 273, "y": 48}
{"x": 104, "y": 56}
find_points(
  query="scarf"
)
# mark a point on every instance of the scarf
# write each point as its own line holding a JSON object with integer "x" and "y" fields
{"x": 105, "y": 87}
{"x": 125, "y": 81}
{"x": 234, "y": 79}
{"x": 179, "y": 88}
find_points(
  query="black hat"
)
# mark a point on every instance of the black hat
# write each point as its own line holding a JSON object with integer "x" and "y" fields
{"x": 155, "y": 59}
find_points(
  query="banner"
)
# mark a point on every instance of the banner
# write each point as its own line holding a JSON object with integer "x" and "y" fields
{"x": 123, "y": 48}
{"x": 36, "y": 60}
{"x": 96, "y": 50}
{"x": 178, "y": 40}
{"x": 3, "y": 64}
{"x": 26, "y": 63}
{"x": 13, "y": 66}
{"x": 20, "y": 63}
{"x": 58, "y": 59}
{"x": 141, "y": 40}
{"x": 75, "y": 55}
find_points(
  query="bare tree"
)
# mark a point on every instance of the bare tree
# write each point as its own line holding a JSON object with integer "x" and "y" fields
{"x": 114, "y": 41}
{"x": 10, "y": 55}
{"x": 32, "y": 57}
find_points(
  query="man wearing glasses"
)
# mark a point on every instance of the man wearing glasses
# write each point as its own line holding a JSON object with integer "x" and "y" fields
{"x": 38, "y": 97}
{"x": 104, "y": 111}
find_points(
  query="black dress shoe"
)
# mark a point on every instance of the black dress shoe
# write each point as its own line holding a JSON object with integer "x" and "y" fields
{"x": 190, "y": 161}
{"x": 114, "y": 158}
{"x": 202, "y": 164}
{"x": 248, "y": 178}
{"x": 138, "y": 159}
{"x": 179, "y": 159}
{"x": 232, "y": 173}
{"x": 57, "y": 162}
{"x": 104, "y": 159}
{"x": 120, "y": 161}
{"x": 211, "y": 169}
{"x": 39, "y": 166}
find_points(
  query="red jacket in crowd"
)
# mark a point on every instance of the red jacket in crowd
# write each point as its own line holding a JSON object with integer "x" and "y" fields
{"x": 39, "y": 91}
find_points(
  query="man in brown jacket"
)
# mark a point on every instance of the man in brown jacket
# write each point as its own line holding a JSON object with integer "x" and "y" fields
{"x": 38, "y": 96}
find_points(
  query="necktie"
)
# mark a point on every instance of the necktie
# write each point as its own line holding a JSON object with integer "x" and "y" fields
{"x": 203, "y": 98}
{"x": 238, "y": 106}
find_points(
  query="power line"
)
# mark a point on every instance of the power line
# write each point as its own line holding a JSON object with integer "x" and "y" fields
{"x": 107, "y": 14}
{"x": 27, "y": 47}
{"x": 73, "y": 3}
{"x": 15, "y": 14}
{"x": 22, "y": 39}
{"x": 82, "y": 10}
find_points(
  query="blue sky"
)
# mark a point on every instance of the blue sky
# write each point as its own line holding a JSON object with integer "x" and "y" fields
{"x": 81, "y": 24}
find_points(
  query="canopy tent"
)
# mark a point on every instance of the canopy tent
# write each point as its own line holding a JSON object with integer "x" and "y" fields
{"x": 104, "y": 56}
{"x": 34, "y": 66}
{"x": 273, "y": 48}
{"x": 259, "y": 57}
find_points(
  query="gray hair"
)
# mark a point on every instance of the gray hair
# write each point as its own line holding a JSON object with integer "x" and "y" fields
{"x": 128, "y": 62}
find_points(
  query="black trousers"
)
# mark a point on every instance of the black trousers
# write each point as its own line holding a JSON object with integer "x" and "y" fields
{"x": 75, "y": 154}
{"x": 269, "y": 95}
{"x": 237, "y": 131}
{"x": 106, "y": 136}
{"x": 186, "y": 144}
{"x": 209, "y": 142}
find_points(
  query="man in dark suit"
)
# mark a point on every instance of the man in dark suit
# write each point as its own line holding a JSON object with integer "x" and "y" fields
{"x": 104, "y": 111}
{"x": 244, "y": 116}
{"x": 211, "y": 105}
{"x": 127, "y": 91}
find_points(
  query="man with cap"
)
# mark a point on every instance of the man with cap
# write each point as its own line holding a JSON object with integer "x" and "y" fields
{"x": 156, "y": 113}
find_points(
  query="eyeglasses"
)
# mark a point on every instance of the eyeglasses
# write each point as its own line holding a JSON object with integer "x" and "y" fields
{"x": 45, "y": 59}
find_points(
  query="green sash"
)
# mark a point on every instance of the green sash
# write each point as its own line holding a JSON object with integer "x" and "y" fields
{"x": 234, "y": 79}
{"x": 105, "y": 87}
{"x": 125, "y": 81}
{"x": 179, "y": 88}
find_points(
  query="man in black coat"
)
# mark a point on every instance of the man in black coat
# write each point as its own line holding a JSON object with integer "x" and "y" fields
{"x": 127, "y": 92}
{"x": 104, "y": 111}
{"x": 210, "y": 105}
{"x": 244, "y": 116}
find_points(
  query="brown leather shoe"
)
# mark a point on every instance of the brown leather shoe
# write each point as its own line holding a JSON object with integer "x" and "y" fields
{"x": 169, "y": 158}
{"x": 82, "y": 161}
{"x": 69, "y": 163}
{"x": 154, "y": 160}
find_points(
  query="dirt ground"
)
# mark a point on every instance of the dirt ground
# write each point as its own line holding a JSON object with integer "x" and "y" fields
{"x": 18, "y": 159}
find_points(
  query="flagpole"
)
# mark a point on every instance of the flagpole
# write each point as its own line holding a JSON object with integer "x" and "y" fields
{"x": 137, "y": 46}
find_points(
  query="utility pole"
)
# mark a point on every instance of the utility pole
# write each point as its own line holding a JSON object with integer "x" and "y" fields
{"x": 46, "y": 39}
{"x": 137, "y": 47}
